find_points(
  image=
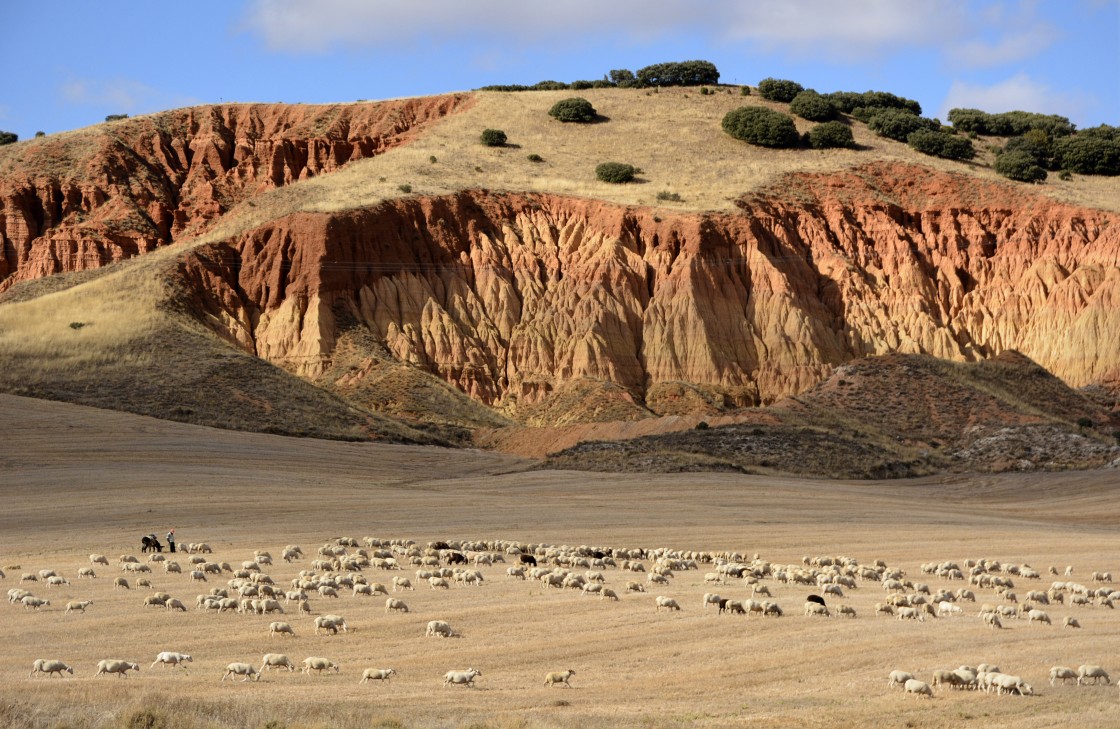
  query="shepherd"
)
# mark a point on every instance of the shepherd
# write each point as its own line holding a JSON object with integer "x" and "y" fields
{"x": 171, "y": 539}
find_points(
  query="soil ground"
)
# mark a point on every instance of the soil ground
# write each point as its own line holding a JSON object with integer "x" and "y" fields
{"x": 75, "y": 481}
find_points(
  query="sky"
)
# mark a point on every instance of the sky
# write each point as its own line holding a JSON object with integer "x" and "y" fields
{"x": 69, "y": 63}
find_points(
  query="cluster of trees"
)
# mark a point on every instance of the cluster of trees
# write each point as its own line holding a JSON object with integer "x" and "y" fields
{"x": 1009, "y": 123}
{"x": 769, "y": 128}
{"x": 679, "y": 73}
{"x": 8, "y": 137}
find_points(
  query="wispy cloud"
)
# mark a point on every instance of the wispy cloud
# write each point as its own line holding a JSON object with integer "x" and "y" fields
{"x": 1018, "y": 93}
{"x": 1006, "y": 49}
{"x": 121, "y": 94}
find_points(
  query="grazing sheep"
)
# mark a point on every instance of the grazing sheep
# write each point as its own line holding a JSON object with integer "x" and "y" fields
{"x": 402, "y": 583}
{"x": 899, "y": 678}
{"x": 710, "y": 598}
{"x": 909, "y": 613}
{"x": 394, "y": 604}
{"x": 198, "y": 576}
{"x": 78, "y": 606}
{"x": 121, "y": 668}
{"x": 1038, "y": 616}
{"x": 278, "y": 628}
{"x": 87, "y": 572}
{"x": 330, "y": 623}
{"x": 608, "y": 594}
{"x": 49, "y": 667}
{"x": 439, "y": 628}
{"x": 555, "y": 677}
{"x": 463, "y": 678}
{"x": 883, "y": 609}
{"x": 1071, "y": 622}
{"x": 846, "y": 610}
{"x": 155, "y": 601}
{"x": 917, "y": 688}
{"x": 1011, "y": 684}
{"x": 28, "y": 577}
{"x": 170, "y": 658}
{"x": 376, "y": 674}
{"x": 815, "y": 608}
{"x": 99, "y": 559}
{"x": 31, "y": 602}
{"x": 1063, "y": 674}
{"x": 948, "y": 608}
{"x": 175, "y": 604}
{"x": 318, "y": 664}
{"x": 1087, "y": 671}
{"x": 992, "y": 620}
{"x": 668, "y": 603}
{"x": 438, "y": 583}
{"x": 771, "y": 609}
{"x": 635, "y": 587}
{"x": 241, "y": 669}
{"x": 276, "y": 660}
{"x": 517, "y": 573}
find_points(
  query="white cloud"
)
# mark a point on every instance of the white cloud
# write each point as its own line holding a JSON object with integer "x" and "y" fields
{"x": 810, "y": 27}
{"x": 1016, "y": 46}
{"x": 120, "y": 94}
{"x": 1018, "y": 93}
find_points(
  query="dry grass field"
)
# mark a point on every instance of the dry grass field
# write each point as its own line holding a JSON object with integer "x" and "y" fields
{"x": 76, "y": 481}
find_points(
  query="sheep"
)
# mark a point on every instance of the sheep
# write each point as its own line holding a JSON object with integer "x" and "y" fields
{"x": 1011, "y": 684}
{"x": 278, "y": 628}
{"x": 898, "y": 678}
{"x": 463, "y": 678}
{"x": 846, "y": 610}
{"x": 439, "y": 628}
{"x": 635, "y": 587}
{"x": 910, "y": 613}
{"x": 1039, "y": 616}
{"x": 87, "y": 572}
{"x": 917, "y": 688}
{"x": 668, "y": 603}
{"x": 883, "y": 609}
{"x": 175, "y": 604}
{"x": 394, "y": 604}
{"x": 438, "y": 583}
{"x": 402, "y": 583}
{"x": 516, "y": 573}
{"x": 16, "y": 594}
{"x": 28, "y": 577}
{"x": 276, "y": 660}
{"x": 121, "y": 668}
{"x": 313, "y": 663}
{"x": 155, "y": 601}
{"x": 198, "y": 576}
{"x": 710, "y": 598}
{"x": 304, "y": 607}
{"x": 555, "y": 677}
{"x": 30, "y": 602}
{"x": 99, "y": 559}
{"x": 1063, "y": 674}
{"x": 376, "y": 674}
{"x": 992, "y": 620}
{"x": 1071, "y": 622}
{"x": 170, "y": 658}
{"x": 331, "y": 624}
{"x": 815, "y": 608}
{"x": 43, "y": 665}
{"x": 1087, "y": 671}
{"x": 242, "y": 669}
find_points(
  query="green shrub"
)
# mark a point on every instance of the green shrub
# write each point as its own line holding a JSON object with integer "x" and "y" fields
{"x": 505, "y": 87}
{"x": 941, "y": 144}
{"x": 773, "y": 89}
{"x": 549, "y": 86}
{"x": 433, "y": 159}
{"x": 405, "y": 188}
{"x": 580, "y": 85}
{"x": 682, "y": 73}
{"x": 761, "y": 126}
{"x": 8, "y": 137}
{"x": 898, "y": 124}
{"x": 831, "y": 134}
{"x": 849, "y": 101}
{"x": 745, "y": 91}
{"x": 1093, "y": 151}
{"x": 40, "y": 134}
{"x": 665, "y": 196}
{"x": 575, "y": 109}
{"x": 493, "y": 137}
{"x": 776, "y": 89}
{"x": 1065, "y": 175}
{"x": 623, "y": 77}
{"x": 535, "y": 158}
{"x": 116, "y": 117}
{"x": 1019, "y": 165}
{"x": 1010, "y": 123}
{"x": 812, "y": 106}
{"x": 615, "y": 172}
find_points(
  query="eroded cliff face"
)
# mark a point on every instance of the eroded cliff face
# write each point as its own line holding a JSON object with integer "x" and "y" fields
{"x": 513, "y": 298}
{"x": 85, "y": 199}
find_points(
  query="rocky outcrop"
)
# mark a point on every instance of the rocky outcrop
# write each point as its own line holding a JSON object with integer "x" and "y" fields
{"x": 81, "y": 200}
{"x": 512, "y": 298}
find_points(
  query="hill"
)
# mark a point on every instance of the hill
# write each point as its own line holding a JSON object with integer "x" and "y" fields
{"x": 372, "y": 269}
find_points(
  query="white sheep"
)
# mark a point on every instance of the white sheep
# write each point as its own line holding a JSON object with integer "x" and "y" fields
{"x": 394, "y": 604}
{"x": 377, "y": 674}
{"x": 171, "y": 658}
{"x": 917, "y": 688}
{"x": 99, "y": 559}
{"x": 555, "y": 677}
{"x": 78, "y": 606}
{"x": 278, "y": 628}
{"x": 1063, "y": 674}
{"x": 121, "y": 668}
{"x": 668, "y": 603}
{"x": 175, "y": 604}
{"x": 1087, "y": 671}
{"x": 56, "y": 581}
{"x": 463, "y": 678}
{"x": 632, "y": 586}
{"x": 87, "y": 572}
{"x": 608, "y": 594}
{"x": 242, "y": 669}
{"x": 43, "y": 665}
{"x": 815, "y": 608}
{"x": 992, "y": 620}
{"x": 948, "y": 608}
{"x": 314, "y": 663}
{"x": 121, "y": 582}
{"x": 402, "y": 583}
{"x": 846, "y": 610}
{"x": 1071, "y": 622}
{"x": 898, "y": 678}
{"x": 439, "y": 628}
{"x": 1011, "y": 684}
{"x": 30, "y": 602}
{"x": 276, "y": 660}
{"x": 710, "y": 598}
{"x": 1038, "y": 616}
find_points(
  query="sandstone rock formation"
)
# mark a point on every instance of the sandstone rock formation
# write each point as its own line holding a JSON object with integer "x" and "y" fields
{"x": 82, "y": 200}
{"x": 513, "y": 298}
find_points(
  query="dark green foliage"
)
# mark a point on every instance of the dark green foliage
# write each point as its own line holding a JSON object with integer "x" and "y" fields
{"x": 1084, "y": 422}
{"x": 941, "y": 144}
{"x": 665, "y": 196}
{"x": 600, "y": 84}
{"x": 623, "y": 77}
{"x": 703, "y": 425}
{"x": 40, "y": 134}
{"x": 812, "y": 106}
{"x": 580, "y": 85}
{"x": 8, "y": 137}
{"x": 1019, "y": 165}
{"x": 535, "y": 158}
{"x": 765, "y": 127}
{"x": 575, "y": 109}
{"x": 683, "y": 73}
{"x": 776, "y": 89}
{"x": 433, "y": 159}
{"x": 493, "y": 137}
{"x": 506, "y": 87}
{"x": 745, "y": 91}
{"x": 849, "y": 101}
{"x": 615, "y": 172}
{"x": 405, "y": 188}
{"x": 116, "y": 117}
{"x": 898, "y": 124}
{"x": 1065, "y": 175}
{"x": 1093, "y": 151}
{"x": 705, "y": 91}
{"x": 831, "y": 134}
{"x": 549, "y": 86}
{"x": 1009, "y": 124}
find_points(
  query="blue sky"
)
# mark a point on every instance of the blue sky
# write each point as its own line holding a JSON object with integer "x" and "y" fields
{"x": 69, "y": 63}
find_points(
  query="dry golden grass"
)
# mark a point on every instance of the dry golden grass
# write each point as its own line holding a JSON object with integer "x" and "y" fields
{"x": 75, "y": 481}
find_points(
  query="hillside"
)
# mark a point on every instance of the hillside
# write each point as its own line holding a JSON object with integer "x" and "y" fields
{"x": 366, "y": 270}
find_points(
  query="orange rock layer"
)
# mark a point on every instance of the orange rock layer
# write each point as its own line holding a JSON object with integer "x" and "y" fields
{"x": 511, "y": 297}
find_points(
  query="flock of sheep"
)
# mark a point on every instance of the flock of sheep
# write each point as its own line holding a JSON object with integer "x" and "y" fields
{"x": 342, "y": 564}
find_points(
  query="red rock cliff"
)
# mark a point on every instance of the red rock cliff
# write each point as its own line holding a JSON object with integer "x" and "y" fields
{"x": 84, "y": 199}
{"x": 509, "y": 297}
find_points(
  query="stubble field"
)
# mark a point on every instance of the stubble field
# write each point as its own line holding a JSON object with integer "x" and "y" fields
{"x": 75, "y": 481}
